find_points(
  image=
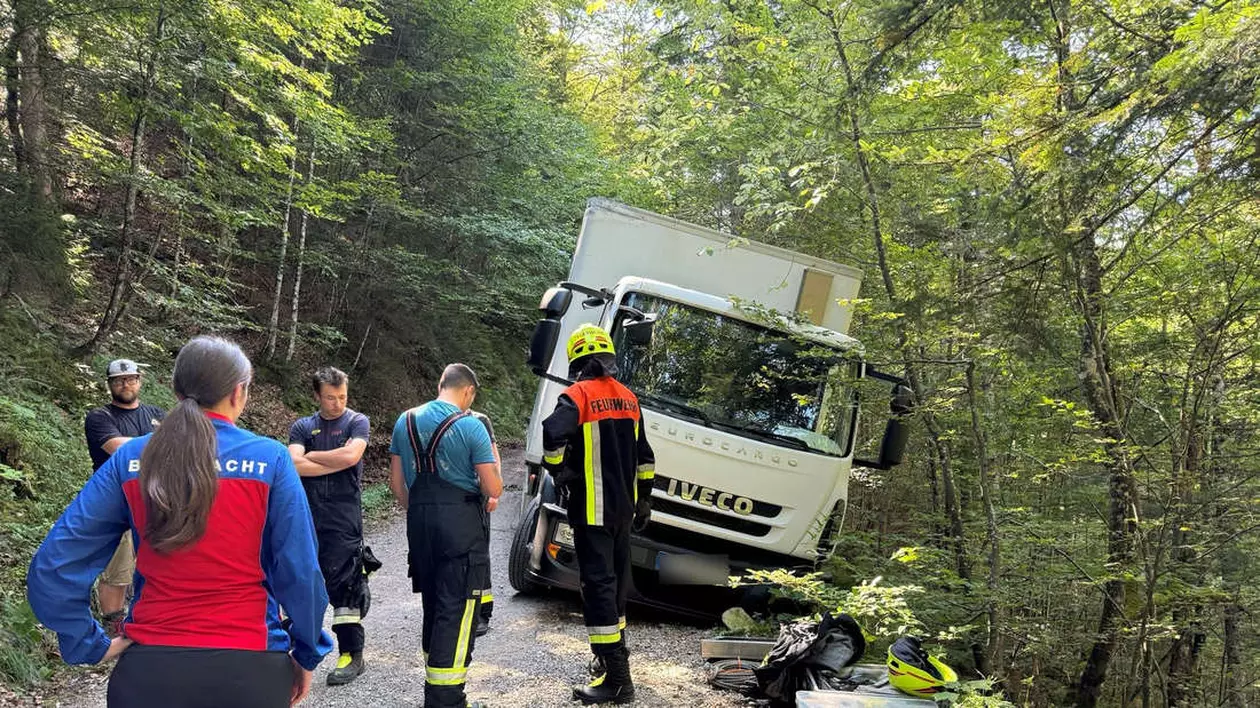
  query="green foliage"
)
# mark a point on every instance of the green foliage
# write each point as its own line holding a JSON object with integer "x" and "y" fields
{"x": 24, "y": 650}
{"x": 34, "y": 246}
{"x": 378, "y": 502}
{"x": 43, "y": 463}
{"x": 973, "y": 694}
{"x": 883, "y": 612}
{"x": 1054, "y": 203}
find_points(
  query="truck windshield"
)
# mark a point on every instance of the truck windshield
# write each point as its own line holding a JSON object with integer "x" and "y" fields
{"x": 740, "y": 377}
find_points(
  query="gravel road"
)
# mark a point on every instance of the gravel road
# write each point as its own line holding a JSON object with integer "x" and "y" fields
{"x": 535, "y": 651}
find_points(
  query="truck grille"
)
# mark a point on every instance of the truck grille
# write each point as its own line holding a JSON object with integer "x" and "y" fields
{"x": 711, "y": 518}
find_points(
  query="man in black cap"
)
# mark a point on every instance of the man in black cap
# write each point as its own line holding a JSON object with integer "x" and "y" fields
{"x": 107, "y": 428}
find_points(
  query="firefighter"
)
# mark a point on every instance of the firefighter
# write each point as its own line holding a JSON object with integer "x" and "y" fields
{"x": 327, "y": 449}
{"x": 442, "y": 464}
{"x": 596, "y": 449}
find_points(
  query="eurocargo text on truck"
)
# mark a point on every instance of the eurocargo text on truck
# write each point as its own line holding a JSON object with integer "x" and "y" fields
{"x": 739, "y": 355}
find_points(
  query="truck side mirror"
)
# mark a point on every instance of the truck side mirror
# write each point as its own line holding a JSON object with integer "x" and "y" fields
{"x": 892, "y": 449}
{"x": 639, "y": 332}
{"x": 543, "y": 345}
{"x": 555, "y": 302}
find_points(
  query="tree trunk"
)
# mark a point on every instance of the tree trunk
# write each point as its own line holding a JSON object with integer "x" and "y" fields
{"x": 1080, "y": 255}
{"x": 122, "y": 273}
{"x": 273, "y": 324}
{"x": 1231, "y": 694}
{"x": 301, "y": 255}
{"x": 359, "y": 354}
{"x": 1183, "y": 659}
{"x": 934, "y": 488}
{"x": 179, "y": 235}
{"x": 1101, "y": 392}
{"x": 993, "y": 653}
{"x": 12, "y": 107}
{"x": 139, "y": 278}
{"x": 1183, "y": 665}
{"x": 848, "y": 113}
{"x": 33, "y": 105}
{"x": 177, "y": 262}
{"x": 940, "y": 446}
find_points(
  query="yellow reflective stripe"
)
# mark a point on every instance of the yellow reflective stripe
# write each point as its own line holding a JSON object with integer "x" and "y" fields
{"x": 606, "y": 638}
{"x": 444, "y": 677}
{"x": 597, "y": 473}
{"x": 344, "y": 660}
{"x": 344, "y": 615}
{"x": 486, "y": 597}
{"x": 588, "y": 468}
{"x": 621, "y": 623}
{"x": 465, "y": 631}
{"x": 553, "y": 457}
{"x": 646, "y": 475}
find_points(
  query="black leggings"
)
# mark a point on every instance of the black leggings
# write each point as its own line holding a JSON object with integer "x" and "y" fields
{"x": 179, "y": 677}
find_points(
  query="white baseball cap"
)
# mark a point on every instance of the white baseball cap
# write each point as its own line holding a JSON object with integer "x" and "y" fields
{"x": 123, "y": 367}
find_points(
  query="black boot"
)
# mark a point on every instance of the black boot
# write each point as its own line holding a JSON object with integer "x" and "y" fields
{"x": 614, "y": 686}
{"x": 349, "y": 666}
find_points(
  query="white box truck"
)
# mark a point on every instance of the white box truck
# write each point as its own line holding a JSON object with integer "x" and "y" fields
{"x": 739, "y": 355}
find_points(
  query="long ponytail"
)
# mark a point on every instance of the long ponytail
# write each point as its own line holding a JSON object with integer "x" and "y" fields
{"x": 179, "y": 475}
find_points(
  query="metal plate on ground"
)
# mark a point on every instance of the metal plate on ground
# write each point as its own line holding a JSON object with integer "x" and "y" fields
{"x": 746, "y": 648}
{"x": 856, "y": 699}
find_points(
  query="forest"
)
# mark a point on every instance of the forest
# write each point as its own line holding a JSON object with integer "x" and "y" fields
{"x": 1054, "y": 203}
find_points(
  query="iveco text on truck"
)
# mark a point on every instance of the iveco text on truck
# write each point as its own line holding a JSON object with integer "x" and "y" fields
{"x": 739, "y": 355}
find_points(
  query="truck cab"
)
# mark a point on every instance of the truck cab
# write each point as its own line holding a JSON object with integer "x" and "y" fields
{"x": 750, "y": 409}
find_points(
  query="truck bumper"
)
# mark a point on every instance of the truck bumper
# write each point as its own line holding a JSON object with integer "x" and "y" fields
{"x": 553, "y": 563}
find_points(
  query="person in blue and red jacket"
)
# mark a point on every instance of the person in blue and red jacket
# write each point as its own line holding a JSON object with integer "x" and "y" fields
{"x": 224, "y": 539}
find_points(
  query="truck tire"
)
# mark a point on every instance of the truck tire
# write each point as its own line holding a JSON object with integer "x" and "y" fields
{"x": 518, "y": 556}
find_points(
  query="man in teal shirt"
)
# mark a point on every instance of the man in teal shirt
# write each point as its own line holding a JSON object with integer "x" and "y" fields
{"x": 442, "y": 466}
{"x": 466, "y": 445}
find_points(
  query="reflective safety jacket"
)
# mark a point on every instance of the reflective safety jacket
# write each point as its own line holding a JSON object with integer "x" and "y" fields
{"x": 595, "y": 446}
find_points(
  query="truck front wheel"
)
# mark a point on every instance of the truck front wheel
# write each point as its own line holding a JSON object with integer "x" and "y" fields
{"x": 518, "y": 557}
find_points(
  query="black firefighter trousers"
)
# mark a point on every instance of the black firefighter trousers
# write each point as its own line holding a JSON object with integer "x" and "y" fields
{"x": 448, "y": 566}
{"x": 487, "y": 594}
{"x": 337, "y": 510}
{"x": 603, "y": 554}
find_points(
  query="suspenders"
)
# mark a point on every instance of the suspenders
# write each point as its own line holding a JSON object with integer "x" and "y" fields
{"x": 426, "y": 457}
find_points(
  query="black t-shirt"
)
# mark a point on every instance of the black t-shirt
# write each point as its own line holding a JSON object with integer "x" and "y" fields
{"x": 108, "y": 422}
{"x": 316, "y": 434}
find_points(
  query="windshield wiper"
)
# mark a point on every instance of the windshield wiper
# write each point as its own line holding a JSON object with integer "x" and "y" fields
{"x": 787, "y": 440}
{"x": 699, "y": 415}
{"x": 675, "y": 406}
